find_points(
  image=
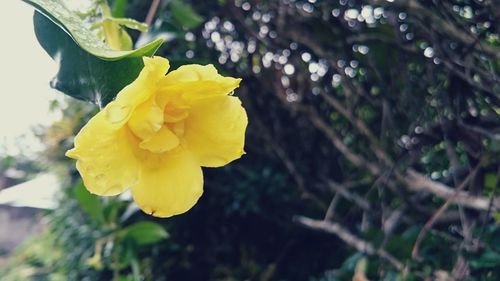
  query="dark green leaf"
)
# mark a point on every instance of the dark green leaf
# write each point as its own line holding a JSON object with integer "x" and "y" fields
{"x": 145, "y": 232}
{"x": 350, "y": 263}
{"x": 487, "y": 259}
{"x": 81, "y": 74}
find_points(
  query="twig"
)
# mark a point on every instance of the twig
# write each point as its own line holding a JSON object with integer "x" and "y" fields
{"x": 152, "y": 12}
{"x": 428, "y": 225}
{"x": 339, "y": 189}
{"x": 360, "y": 125}
{"x": 418, "y": 182}
{"x": 330, "y": 212}
{"x": 357, "y": 160}
{"x": 411, "y": 178}
{"x": 445, "y": 27}
{"x": 349, "y": 238}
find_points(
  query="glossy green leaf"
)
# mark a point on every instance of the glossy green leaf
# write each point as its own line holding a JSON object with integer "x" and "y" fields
{"x": 73, "y": 25}
{"x": 144, "y": 233}
{"x": 184, "y": 14}
{"x": 82, "y": 75}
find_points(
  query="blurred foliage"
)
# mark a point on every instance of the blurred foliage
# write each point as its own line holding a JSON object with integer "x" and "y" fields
{"x": 16, "y": 169}
{"x": 346, "y": 99}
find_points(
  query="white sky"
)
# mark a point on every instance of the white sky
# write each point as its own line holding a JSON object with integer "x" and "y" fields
{"x": 25, "y": 72}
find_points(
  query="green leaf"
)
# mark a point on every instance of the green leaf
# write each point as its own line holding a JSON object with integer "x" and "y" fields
{"x": 490, "y": 181}
{"x": 144, "y": 233}
{"x": 82, "y": 75}
{"x": 350, "y": 263}
{"x": 119, "y": 8}
{"x": 90, "y": 203}
{"x": 89, "y": 69}
{"x": 487, "y": 259}
{"x": 74, "y": 26}
{"x": 496, "y": 217}
{"x": 185, "y": 15}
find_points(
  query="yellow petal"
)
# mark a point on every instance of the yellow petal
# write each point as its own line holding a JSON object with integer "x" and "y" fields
{"x": 169, "y": 186}
{"x": 192, "y": 72}
{"x": 146, "y": 120}
{"x": 215, "y": 130}
{"x": 164, "y": 140}
{"x": 172, "y": 114}
{"x": 197, "y": 81}
{"x": 157, "y": 66}
{"x": 104, "y": 156}
{"x": 145, "y": 85}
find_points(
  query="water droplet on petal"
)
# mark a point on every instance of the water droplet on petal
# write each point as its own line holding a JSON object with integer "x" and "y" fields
{"x": 116, "y": 113}
{"x": 100, "y": 179}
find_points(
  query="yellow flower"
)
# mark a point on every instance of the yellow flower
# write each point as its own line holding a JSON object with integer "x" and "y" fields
{"x": 158, "y": 132}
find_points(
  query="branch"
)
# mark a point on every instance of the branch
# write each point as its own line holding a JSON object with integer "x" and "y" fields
{"x": 349, "y": 238}
{"x": 412, "y": 179}
{"x": 418, "y": 182}
{"x": 152, "y": 12}
{"x": 358, "y": 200}
{"x": 357, "y": 160}
{"x": 360, "y": 125}
{"x": 444, "y": 26}
{"x": 430, "y": 223}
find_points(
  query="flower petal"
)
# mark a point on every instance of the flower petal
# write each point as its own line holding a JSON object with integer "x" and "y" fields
{"x": 215, "y": 130}
{"x": 145, "y": 85}
{"x": 169, "y": 185}
{"x": 104, "y": 156}
{"x": 146, "y": 120}
{"x": 192, "y": 72}
{"x": 164, "y": 140}
{"x": 197, "y": 81}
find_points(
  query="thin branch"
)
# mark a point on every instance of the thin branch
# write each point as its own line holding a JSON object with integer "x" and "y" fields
{"x": 411, "y": 178}
{"x": 360, "y": 125}
{"x": 152, "y": 12}
{"x": 430, "y": 223}
{"x": 357, "y": 160}
{"x": 353, "y": 197}
{"x": 330, "y": 212}
{"x": 445, "y": 27}
{"x": 418, "y": 182}
{"x": 349, "y": 238}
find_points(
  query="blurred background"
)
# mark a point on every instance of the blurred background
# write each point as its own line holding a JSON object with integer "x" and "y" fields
{"x": 372, "y": 149}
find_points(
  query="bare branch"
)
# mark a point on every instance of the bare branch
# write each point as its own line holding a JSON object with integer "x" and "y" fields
{"x": 412, "y": 179}
{"x": 152, "y": 12}
{"x": 428, "y": 225}
{"x": 445, "y": 27}
{"x": 418, "y": 182}
{"x": 349, "y": 238}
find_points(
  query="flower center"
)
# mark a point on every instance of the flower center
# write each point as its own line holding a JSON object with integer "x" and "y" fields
{"x": 159, "y": 130}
